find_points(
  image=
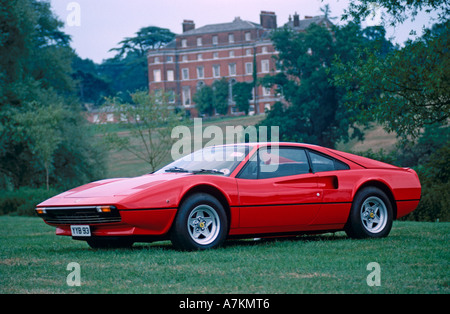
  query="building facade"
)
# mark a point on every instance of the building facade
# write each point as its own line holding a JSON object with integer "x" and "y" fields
{"x": 200, "y": 56}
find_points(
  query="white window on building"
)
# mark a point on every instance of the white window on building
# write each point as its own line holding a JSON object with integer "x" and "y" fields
{"x": 265, "y": 66}
{"x": 199, "y": 42}
{"x": 248, "y": 67}
{"x": 169, "y": 59}
{"x": 156, "y": 60}
{"x": 96, "y": 118}
{"x": 200, "y": 57}
{"x": 248, "y": 52}
{"x": 157, "y": 75}
{"x": 232, "y": 69}
{"x": 231, "y": 54}
{"x": 216, "y": 70}
{"x": 185, "y": 74}
{"x": 110, "y": 117}
{"x": 170, "y": 75}
{"x": 231, "y": 38}
{"x": 266, "y": 91}
{"x": 215, "y": 40}
{"x": 186, "y": 95}
{"x": 264, "y": 50}
{"x": 184, "y": 58}
{"x": 200, "y": 72}
{"x": 215, "y": 55}
{"x": 184, "y": 43}
{"x": 248, "y": 36}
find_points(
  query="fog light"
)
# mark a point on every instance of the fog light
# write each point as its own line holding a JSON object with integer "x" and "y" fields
{"x": 104, "y": 209}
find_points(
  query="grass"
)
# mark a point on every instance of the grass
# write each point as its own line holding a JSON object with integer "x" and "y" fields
{"x": 413, "y": 259}
{"x": 375, "y": 138}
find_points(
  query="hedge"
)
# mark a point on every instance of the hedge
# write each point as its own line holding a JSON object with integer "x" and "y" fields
{"x": 23, "y": 201}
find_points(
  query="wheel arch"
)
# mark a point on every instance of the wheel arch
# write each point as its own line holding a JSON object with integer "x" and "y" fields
{"x": 383, "y": 187}
{"x": 213, "y": 191}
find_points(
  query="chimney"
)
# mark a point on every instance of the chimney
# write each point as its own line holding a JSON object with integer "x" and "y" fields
{"x": 268, "y": 20}
{"x": 296, "y": 20}
{"x": 188, "y": 25}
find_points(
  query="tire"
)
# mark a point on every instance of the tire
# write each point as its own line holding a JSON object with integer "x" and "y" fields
{"x": 371, "y": 215}
{"x": 201, "y": 223}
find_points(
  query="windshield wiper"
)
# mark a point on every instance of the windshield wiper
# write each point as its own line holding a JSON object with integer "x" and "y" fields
{"x": 214, "y": 171}
{"x": 176, "y": 169}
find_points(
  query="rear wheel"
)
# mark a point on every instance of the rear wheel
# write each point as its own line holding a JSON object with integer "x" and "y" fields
{"x": 371, "y": 215}
{"x": 201, "y": 223}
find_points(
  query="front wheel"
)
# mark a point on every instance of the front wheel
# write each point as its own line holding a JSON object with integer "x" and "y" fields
{"x": 371, "y": 215}
{"x": 201, "y": 223}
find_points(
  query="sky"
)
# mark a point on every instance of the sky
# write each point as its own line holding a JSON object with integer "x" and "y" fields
{"x": 96, "y": 26}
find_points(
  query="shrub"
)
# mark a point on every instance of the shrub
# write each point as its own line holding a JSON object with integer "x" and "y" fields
{"x": 434, "y": 177}
{"x": 23, "y": 200}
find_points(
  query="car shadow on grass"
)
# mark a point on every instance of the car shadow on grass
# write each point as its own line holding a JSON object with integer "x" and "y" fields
{"x": 230, "y": 243}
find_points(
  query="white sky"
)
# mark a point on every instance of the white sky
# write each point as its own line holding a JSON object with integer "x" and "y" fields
{"x": 104, "y": 23}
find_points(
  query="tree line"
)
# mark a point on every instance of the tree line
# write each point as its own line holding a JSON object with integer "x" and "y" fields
{"x": 44, "y": 139}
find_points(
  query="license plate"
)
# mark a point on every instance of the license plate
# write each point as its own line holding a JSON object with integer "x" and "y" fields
{"x": 80, "y": 231}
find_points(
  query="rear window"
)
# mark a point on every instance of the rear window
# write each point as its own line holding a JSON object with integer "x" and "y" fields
{"x": 322, "y": 163}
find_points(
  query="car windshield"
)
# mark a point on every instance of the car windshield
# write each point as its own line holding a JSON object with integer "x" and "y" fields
{"x": 220, "y": 160}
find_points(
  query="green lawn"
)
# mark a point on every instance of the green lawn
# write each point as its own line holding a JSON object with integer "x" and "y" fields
{"x": 413, "y": 259}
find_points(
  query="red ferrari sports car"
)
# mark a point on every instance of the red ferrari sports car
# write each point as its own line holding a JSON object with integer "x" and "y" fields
{"x": 239, "y": 191}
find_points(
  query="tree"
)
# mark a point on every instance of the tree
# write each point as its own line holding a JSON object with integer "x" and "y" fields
{"x": 150, "y": 122}
{"x": 397, "y": 11}
{"x": 316, "y": 112}
{"x": 38, "y": 125}
{"x": 213, "y": 98}
{"x": 35, "y": 53}
{"x": 204, "y": 100}
{"x": 35, "y": 78}
{"x": 406, "y": 90}
{"x": 146, "y": 38}
{"x": 242, "y": 93}
{"x": 221, "y": 95}
{"x": 90, "y": 86}
{"x": 131, "y": 60}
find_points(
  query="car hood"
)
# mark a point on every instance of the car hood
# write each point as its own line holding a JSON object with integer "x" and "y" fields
{"x": 120, "y": 186}
{"x": 110, "y": 190}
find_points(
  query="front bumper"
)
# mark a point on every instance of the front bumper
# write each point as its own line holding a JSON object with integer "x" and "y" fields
{"x": 142, "y": 222}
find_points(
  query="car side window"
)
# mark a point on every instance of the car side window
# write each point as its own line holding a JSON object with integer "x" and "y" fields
{"x": 321, "y": 163}
{"x": 276, "y": 162}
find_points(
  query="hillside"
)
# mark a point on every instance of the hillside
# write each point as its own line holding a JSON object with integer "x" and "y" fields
{"x": 124, "y": 164}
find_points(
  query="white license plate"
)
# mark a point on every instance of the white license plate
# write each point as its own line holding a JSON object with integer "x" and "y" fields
{"x": 80, "y": 231}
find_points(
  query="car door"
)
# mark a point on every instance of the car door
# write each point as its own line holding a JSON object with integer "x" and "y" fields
{"x": 277, "y": 190}
{"x": 334, "y": 179}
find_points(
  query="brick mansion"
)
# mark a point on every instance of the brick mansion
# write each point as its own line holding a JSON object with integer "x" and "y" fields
{"x": 199, "y": 56}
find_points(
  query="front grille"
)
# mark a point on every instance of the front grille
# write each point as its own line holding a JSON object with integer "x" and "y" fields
{"x": 79, "y": 215}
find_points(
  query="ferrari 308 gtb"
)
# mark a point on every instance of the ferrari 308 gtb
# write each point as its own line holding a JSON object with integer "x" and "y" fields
{"x": 239, "y": 191}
